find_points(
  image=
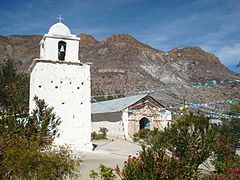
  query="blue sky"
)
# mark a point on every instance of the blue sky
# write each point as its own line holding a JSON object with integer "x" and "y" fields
{"x": 213, "y": 25}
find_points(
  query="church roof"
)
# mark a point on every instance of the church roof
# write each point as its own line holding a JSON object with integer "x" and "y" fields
{"x": 59, "y": 29}
{"x": 115, "y": 105}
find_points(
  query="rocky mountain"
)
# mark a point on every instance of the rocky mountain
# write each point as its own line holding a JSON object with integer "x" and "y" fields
{"x": 20, "y": 48}
{"x": 122, "y": 64}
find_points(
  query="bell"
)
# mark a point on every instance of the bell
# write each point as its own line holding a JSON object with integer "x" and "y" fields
{"x": 62, "y": 49}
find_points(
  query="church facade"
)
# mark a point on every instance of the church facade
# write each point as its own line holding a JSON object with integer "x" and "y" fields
{"x": 63, "y": 82}
{"x": 125, "y": 116}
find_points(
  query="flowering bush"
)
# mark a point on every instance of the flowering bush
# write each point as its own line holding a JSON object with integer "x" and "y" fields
{"x": 231, "y": 174}
{"x": 140, "y": 167}
{"x": 177, "y": 152}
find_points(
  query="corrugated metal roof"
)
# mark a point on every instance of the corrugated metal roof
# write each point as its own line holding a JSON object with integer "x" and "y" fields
{"x": 115, "y": 105}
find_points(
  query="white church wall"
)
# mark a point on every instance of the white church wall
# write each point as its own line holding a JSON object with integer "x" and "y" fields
{"x": 50, "y": 49}
{"x": 42, "y": 50}
{"x": 72, "y": 50}
{"x": 112, "y": 121}
{"x": 166, "y": 118}
{"x": 125, "y": 123}
{"x": 66, "y": 87}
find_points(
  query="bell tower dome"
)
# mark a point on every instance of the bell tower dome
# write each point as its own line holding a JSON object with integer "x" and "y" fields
{"x": 59, "y": 44}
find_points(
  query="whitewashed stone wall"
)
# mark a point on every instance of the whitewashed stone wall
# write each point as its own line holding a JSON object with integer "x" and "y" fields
{"x": 159, "y": 121}
{"x": 49, "y": 48}
{"x": 124, "y": 124}
{"x": 66, "y": 87}
{"x": 112, "y": 121}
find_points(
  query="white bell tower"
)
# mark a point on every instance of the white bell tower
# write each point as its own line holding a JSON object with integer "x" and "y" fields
{"x": 63, "y": 82}
{"x": 59, "y": 44}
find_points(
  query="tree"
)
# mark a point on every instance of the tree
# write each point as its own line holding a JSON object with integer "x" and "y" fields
{"x": 26, "y": 140}
{"x": 227, "y": 140}
{"x": 174, "y": 153}
{"x": 14, "y": 88}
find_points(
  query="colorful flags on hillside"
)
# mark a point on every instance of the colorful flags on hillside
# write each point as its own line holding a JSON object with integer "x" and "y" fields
{"x": 215, "y": 83}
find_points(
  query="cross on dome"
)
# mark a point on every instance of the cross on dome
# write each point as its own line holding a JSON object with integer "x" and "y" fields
{"x": 60, "y": 18}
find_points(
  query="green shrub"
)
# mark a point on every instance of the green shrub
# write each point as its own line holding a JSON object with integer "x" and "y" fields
{"x": 26, "y": 150}
{"x": 101, "y": 135}
{"x": 105, "y": 173}
{"x": 142, "y": 134}
{"x": 23, "y": 159}
{"x": 104, "y": 131}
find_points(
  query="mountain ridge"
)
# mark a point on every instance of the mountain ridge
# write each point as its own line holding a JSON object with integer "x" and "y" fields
{"x": 122, "y": 64}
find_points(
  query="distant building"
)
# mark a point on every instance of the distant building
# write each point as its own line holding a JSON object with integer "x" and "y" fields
{"x": 215, "y": 121}
{"x": 63, "y": 82}
{"x": 125, "y": 116}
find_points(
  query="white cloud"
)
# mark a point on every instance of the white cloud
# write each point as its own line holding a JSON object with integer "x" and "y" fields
{"x": 230, "y": 55}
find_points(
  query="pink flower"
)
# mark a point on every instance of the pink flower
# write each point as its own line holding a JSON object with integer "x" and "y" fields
{"x": 141, "y": 165}
{"x": 156, "y": 170}
{"x": 117, "y": 169}
{"x": 220, "y": 178}
{"x": 234, "y": 171}
{"x": 165, "y": 174}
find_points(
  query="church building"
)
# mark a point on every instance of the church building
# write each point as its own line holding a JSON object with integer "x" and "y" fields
{"x": 63, "y": 82}
{"x": 125, "y": 116}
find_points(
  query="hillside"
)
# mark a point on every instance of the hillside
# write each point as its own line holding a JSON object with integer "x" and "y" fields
{"x": 122, "y": 64}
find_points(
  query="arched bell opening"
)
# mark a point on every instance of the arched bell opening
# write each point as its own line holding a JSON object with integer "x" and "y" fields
{"x": 61, "y": 50}
{"x": 144, "y": 123}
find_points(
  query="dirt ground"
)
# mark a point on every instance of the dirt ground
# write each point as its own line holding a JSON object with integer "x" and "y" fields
{"x": 111, "y": 153}
{"x": 107, "y": 152}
